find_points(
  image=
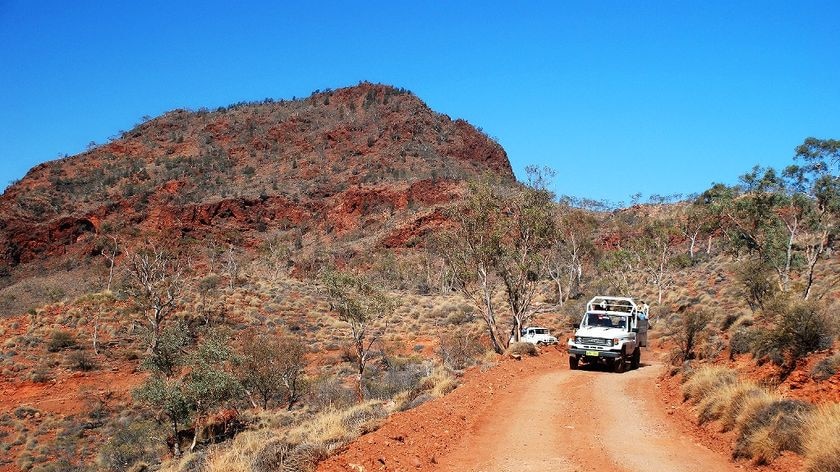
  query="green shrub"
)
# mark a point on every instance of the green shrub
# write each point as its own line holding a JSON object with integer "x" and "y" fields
{"x": 742, "y": 341}
{"x": 130, "y": 444}
{"x": 81, "y": 360}
{"x": 826, "y": 368}
{"x": 459, "y": 351}
{"x": 61, "y": 340}
{"x": 688, "y": 331}
{"x": 798, "y": 329}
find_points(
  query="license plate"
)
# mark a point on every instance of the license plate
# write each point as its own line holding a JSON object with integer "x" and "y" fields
{"x": 592, "y": 353}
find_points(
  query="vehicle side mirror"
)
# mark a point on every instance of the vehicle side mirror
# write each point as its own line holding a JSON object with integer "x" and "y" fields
{"x": 576, "y": 325}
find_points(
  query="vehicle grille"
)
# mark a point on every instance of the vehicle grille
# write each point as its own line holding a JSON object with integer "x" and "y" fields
{"x": 595, "y": 341}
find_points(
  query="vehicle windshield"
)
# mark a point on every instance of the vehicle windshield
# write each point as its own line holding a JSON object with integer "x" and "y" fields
{"x": 606, "y": 321}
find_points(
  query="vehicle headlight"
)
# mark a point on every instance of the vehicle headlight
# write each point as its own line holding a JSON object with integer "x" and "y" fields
{"x": 577, "y": 339}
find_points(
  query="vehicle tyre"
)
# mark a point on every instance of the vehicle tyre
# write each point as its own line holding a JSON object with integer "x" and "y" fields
{"x": 620, "y": 363}
{"x": 636, "y": 359}
{"x": 573, "y": 362}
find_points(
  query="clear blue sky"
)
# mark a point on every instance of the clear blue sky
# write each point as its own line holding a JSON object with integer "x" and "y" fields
{"x": 671, "y": 96}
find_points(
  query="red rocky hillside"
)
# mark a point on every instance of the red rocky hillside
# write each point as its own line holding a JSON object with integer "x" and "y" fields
{"x": 359, "y": 167}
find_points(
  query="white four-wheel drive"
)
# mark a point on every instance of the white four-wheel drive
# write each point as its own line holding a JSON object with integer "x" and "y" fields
{"x": 536, "y": 335}
{"x": 613, "y": 331}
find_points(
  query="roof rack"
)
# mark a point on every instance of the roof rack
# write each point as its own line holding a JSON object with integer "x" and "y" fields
{"x": 622, "y": 305}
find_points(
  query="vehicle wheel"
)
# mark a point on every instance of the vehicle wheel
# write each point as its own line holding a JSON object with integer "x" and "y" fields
{"x": 620, "y": 363}
{"x": 573, "y": 362}
{"x": 636, "y": 359}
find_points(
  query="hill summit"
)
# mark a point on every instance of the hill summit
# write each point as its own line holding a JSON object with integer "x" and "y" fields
{"x": 363, "y": 162}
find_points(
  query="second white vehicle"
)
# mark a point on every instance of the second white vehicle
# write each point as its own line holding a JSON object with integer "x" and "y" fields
{"x": 536, "y": 335}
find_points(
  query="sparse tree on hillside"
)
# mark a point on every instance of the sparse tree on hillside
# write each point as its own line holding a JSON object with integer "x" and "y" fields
{"x": 155, "y": 287}
{"x": 471, "y": 250}
{"x": 210, "y": 384}
{"x": 110, "y": 253}
{"x": 364, "y": 308}
{"x": 785, "y": 219}
{"x": 619, "y": 268}
{"x": 571, "y": 247}
{"x": 823, "y": 185}
{"x": 166, "y": 398}
{"x": 654, "y": 249}
{"x": 687, "y": 331}
{"x": 692, "y": 222}
{"x": 231, "y": 266}
{"x": 273, "y": 368}
{"x": 521, "y": 261}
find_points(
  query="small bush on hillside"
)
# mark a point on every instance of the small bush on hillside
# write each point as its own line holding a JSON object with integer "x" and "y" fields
{"x": 821, "y": 444}
{"x": 742, "y": 341}
{"x": 522, "y": 349}
{"x": 61, "y": 340}
{"x": 396, "y": 379}
{"x": 778, "y": 426}
{"x": 687, "y": 331}
{"x": 279, "y": 455}
{"x": 41, "y": 375}
{"x": 329, "y": 392}
{"x": 459, "y": 350}
{"x": 798, "y": 329}
{"x": 705, "y": 380}
{"x": 130, "y": 445}
{"x": 755, "y": 280}
{"x": 826, "y": 368}
{"x": 81, "y": 361}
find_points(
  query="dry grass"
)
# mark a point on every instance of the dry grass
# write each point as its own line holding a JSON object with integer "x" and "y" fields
{"x": 766, "y": 424}
{"x": 298, "y": 447}
{"x": 821, "y": 444}
{"x": 727, "y": 402}
{"x": 522, "y": 349}
{"x": 776, "y": 427}
{"x": 704, "y": 381}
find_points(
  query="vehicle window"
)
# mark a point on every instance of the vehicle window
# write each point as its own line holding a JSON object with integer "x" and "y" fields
{"x": 541, "y": 331}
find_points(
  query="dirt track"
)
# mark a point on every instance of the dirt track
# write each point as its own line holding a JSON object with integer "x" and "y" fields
{"x": 584, "y": 420}
{"x": 538, "y": 416}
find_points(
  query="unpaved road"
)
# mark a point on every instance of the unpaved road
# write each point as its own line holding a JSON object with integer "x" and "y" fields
{"x": 537, "y": 415}
{"x": 584, "y": 420}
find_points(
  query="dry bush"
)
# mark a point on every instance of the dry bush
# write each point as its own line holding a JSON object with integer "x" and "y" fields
{"x": 821, "y": 444}
{"x": 460, "y": 350}
{"x": 742, "y": 341}
{"x": 798, "y": 330}
{"x": 826, "y": 368}
{"x": 743, "y": 402}
{"x": 522, "y": 349}
{"x": 688, "y": 331}
{"x": 776, "y": 427}
{"x": 298, "y": 447}
{"x": 723, "y": 400}
{"x": 81, "y": 361}
{"x": 706, "y": 380}
{"x": 61, "y": 340}
{"x": 329, "y": 392}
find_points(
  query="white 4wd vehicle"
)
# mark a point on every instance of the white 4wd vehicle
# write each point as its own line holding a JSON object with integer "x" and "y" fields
{"x": 613, "y": 331}
{"x": 536, "y": 335}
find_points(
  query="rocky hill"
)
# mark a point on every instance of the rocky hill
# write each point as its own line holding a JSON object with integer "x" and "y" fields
{"x": 369, "y": 164}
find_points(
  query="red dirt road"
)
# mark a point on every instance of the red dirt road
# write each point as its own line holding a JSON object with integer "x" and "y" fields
{"x": 538, "y": 415}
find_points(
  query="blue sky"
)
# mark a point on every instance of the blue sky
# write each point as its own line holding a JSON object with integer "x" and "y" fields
{"x": 669, "y": 96}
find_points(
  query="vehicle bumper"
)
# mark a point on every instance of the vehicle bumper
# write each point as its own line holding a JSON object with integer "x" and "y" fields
{"x": 605, "y": 354}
